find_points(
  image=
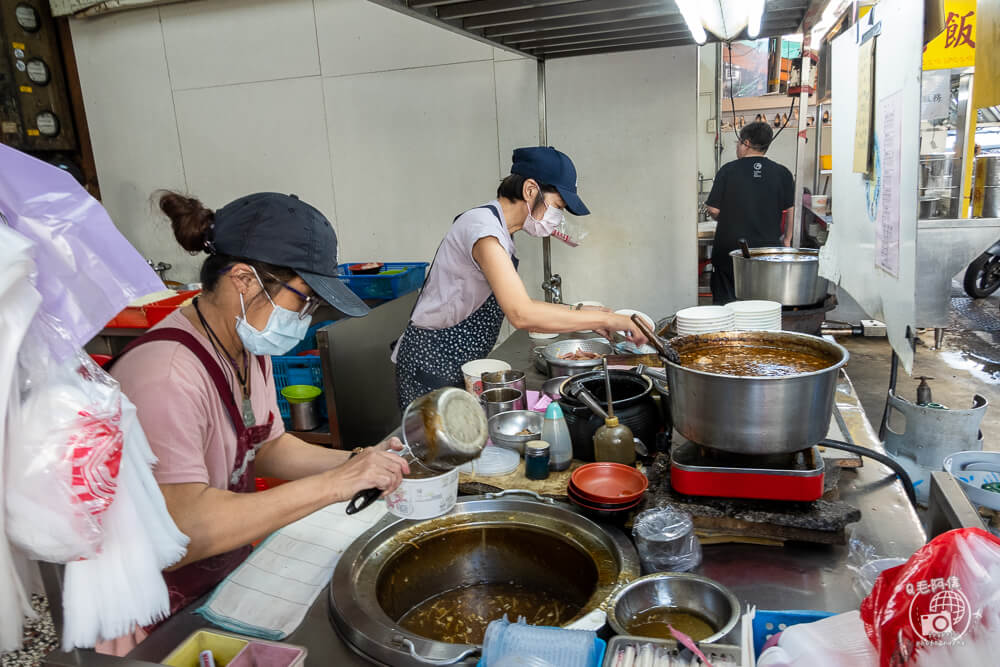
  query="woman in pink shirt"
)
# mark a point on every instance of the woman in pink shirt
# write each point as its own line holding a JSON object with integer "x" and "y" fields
{"x": 202, "y": 383}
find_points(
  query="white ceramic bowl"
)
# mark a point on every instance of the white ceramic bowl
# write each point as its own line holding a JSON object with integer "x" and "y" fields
{"x": 473, "y": 372}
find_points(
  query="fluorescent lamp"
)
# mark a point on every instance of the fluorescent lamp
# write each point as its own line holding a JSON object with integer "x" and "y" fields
{"x": 689, "y": 10}
{"x": 755, "y": 16}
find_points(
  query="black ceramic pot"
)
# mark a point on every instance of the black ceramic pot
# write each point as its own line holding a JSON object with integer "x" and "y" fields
{"x": 633, "y": 402}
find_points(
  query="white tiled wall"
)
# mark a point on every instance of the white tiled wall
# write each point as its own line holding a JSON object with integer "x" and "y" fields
{"x": 237, "y": 41}
{"x": 411, "y": 150}
{"x": 358, "y": 36}
{"x": 628, "y": 120}
{"x": 391, "y": 127}
{"x": 268, "y": 136}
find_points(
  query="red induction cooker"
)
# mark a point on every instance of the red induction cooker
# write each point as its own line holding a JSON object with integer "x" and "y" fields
{"x": 696, "y": 470}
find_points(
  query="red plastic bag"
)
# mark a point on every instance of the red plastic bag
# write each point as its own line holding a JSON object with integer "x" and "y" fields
{"x": 942, "y": 603}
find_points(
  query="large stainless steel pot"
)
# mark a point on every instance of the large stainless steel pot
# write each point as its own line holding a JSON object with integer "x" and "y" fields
{"x": 398, "y": 564}
{"x": 789, "y": 276}
{"x": 754, "y": 415}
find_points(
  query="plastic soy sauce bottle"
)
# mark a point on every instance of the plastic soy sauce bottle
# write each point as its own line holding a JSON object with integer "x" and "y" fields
{"x": 536, "y": 459}
{"x": 556, "y": 433}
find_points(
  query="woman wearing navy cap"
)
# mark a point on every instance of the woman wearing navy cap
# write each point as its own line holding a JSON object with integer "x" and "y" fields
{"x": 202, "y": 384}
{"x": 473, "y": 283}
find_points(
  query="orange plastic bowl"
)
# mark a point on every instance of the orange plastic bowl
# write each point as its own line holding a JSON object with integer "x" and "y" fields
{"x": 609, "y": 483}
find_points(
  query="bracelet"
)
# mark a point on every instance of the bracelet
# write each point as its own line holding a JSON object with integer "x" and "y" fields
{"x": 355, "y": 452}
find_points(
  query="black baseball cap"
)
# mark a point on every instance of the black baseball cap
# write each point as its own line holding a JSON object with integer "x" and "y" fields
{"x": 285, "y": 231}
{"x": 550, "y": 167}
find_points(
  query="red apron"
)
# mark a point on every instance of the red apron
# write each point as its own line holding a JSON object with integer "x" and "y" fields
{"x": 194, "y": 580}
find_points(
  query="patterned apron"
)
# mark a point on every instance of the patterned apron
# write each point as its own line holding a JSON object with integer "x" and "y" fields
{"x": 429, "y": 359}
{"x": 194, "y": 580}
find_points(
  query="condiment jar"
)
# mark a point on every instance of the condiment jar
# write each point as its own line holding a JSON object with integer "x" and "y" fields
{"x": 536, "y": 459}
{"x": 556, "y": 433}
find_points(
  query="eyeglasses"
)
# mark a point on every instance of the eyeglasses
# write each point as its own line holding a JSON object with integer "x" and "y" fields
{"x": 309, "y": 303}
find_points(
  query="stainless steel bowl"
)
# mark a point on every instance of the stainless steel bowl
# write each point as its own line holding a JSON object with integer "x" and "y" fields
{"x": 550, "y": 354}
{"x": 674, "y": 590}
{"x": 789, "y": 276}
{"x": 505, "y": 428}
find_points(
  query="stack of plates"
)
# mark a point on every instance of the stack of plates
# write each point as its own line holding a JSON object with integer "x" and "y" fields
{"x": 757, "y": 315}
{"x": 704, "y": 319}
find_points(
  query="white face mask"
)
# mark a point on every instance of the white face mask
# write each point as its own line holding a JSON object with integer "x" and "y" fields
{"x": 283, "y": 331}
{"x": 551, "y": 220}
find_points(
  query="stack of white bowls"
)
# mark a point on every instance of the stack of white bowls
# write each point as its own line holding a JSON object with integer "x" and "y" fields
{"x": 704, "y": 319}
{"x": 757, "y": 315}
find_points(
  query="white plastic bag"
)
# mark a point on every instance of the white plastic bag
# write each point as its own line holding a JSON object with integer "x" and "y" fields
{"x": 66, "y": 444}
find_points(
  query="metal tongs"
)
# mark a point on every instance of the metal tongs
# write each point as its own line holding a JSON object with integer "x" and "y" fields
{"x": 662, "y": 347}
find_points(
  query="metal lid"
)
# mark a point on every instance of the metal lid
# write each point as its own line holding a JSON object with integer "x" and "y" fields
{"x": 537, "y": 445}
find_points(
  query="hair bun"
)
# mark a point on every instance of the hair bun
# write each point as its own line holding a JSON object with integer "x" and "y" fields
{"x": 190, "y": 219}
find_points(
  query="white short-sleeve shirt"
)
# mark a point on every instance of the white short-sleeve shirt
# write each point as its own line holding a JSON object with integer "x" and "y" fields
{"x": 456, "y": 287}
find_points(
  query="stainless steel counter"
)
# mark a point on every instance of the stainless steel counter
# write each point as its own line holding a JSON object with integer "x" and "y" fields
{"x": 790, "y": 577}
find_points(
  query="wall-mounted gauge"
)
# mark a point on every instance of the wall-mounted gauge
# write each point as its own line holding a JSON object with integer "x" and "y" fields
{"x": 27, "y": 17}
{"x": 47, "y": 124}
{"x": 38, "y": 72}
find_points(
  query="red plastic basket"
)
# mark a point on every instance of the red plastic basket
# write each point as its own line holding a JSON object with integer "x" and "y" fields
{"x": 143, "y": 317}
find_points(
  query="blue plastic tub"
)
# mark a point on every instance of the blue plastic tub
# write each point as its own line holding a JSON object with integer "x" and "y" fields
{"x": 289, "y": 370}
{"x": 766, "y": 624}
{"x": 385, "y": 285}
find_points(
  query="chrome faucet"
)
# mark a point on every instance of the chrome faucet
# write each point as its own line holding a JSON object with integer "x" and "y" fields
{"x": 553, "y": 289}
{"x": 161, "y": 268}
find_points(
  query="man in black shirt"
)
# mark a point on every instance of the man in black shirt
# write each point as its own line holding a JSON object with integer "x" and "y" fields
{"x": 749, "y": 196}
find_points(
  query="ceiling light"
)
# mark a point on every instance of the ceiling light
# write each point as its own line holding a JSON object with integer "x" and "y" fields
{"x": 725, "y": 19}
{"x": 690, "y": 11}
{"x": 755, "y": 17}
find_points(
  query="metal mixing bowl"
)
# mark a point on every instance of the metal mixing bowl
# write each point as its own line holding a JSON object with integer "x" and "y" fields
{"x": 675, "y": 590}
{"x": 506, "y": 427}
{"x": 557, "y": 366}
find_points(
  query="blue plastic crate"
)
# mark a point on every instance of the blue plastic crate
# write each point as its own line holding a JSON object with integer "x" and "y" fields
{"x": 309, "y": 342}
{"x": 601, "y": 645}
{"x": 381, "y": 286}
{"x": 766, "y": 624}
{"x": 290, "y": 370}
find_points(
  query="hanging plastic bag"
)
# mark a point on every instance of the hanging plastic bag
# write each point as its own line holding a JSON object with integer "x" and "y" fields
{"x": 87, "y": 271}
{"x": 65, "y": 441}
{"x": 942, "y": 607}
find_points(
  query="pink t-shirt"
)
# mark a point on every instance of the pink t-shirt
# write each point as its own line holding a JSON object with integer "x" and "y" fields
{"x": 180, "y": 409}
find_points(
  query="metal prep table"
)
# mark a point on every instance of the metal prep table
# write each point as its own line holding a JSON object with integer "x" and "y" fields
{"x": 796, "y": 576}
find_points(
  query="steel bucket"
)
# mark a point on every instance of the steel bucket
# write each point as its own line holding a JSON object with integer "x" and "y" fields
{"x": 794, "y": 282}
{"x": 754, "y": 415}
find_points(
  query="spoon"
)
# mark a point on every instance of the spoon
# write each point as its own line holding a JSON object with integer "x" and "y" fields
{"x": 664, "y": 348}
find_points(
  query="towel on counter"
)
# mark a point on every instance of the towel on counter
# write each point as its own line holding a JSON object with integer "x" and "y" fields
{"x": 269, "y": 595}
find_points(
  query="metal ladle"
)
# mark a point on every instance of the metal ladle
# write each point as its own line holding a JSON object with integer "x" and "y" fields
{"x": 441, "y": 430}
{"x": 662, "y": 347}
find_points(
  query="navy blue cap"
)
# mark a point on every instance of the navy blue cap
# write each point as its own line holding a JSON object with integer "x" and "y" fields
{"x": 550, "y": 167}
{"x": 285, "y": 231}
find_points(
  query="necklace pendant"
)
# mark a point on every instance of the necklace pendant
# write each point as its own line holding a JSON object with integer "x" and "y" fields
{"x": 248, "y": 417}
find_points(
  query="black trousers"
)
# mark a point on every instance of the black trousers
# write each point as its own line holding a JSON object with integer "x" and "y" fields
{"x": 723, "y": 282}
